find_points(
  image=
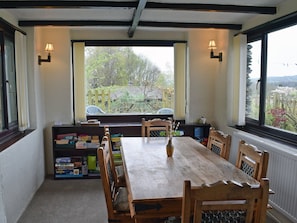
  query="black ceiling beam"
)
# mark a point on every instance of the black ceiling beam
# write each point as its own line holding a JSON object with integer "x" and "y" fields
{"x": 190, "y": 25}
{"x": 136, "y": 17}
{"x": 67, "y": 4}
{"x": 73, "y": 23}
{"x": 128, "y": 23}
{"x": 133, "y": 4}
{"x": 212, "y": 8}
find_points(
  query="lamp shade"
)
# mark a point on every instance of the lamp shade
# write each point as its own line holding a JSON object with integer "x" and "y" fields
{"x": 212, "y": 45}
{"x": 49, "y": 47}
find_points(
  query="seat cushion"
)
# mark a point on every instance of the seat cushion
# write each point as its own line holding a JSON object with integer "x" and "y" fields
{"x": 120, "y": 202}
{"x": 120, "y": 171}
{"x": 120, "y": 175}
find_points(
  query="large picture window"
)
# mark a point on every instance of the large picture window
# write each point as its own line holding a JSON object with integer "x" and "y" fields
{"x": 271, "y": 99}
{"x": 129, "y": 77}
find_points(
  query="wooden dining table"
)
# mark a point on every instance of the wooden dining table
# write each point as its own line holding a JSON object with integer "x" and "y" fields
{"x": 155, "y": 181}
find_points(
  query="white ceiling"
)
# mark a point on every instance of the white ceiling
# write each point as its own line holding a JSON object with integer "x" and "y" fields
{"x": 127, "y": 14}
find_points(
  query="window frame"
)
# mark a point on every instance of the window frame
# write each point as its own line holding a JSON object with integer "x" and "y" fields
{"x": 124, "y": 43}
{"x": 258, "y": 127}
{"x": 10, "y": 132}
{"x": 8, "y": 128}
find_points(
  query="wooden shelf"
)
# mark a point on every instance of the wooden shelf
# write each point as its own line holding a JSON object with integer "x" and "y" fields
{"x": 124, "y": 127}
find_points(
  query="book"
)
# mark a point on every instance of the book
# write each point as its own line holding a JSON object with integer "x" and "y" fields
{"x": 91, "y": 122}
{"x": 80, "y": 145}
{"x": 92, "y": 162}
{"x": 91, "y": 145}
{"x": 69, "y": 136}
{"x": 63, "y": 159}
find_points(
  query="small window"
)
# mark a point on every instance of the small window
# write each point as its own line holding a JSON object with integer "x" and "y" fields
{"x": 9, "y": 118}
{"x": 281, "y": 85}
{"x": 253, "y": 80}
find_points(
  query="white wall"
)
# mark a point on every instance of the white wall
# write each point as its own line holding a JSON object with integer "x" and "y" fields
{"x": 22, "y": 164}
{"x": 22, "y": 169}
{"x": 56, "y": 83}
{"x": 207, "y": 77}
{"x": 202, "y": 72}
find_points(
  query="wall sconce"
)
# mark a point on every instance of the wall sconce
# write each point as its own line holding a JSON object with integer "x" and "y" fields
{"x": 212, "y": 46}
{"x": 48, "y": 48}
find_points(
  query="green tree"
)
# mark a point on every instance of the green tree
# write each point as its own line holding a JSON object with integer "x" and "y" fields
{"x": 134, "y": 82}
{"x": 248, "y": 81}
{"x": 109, "y": 66}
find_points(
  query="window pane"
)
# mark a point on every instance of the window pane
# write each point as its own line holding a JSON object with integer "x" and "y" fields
{"x": 129, "y": 79}
{"x": 253, "y": 75}
{"x": 2, "y": 121}
{"x": 10, "y": 81}
{"x": 281, "y": 89}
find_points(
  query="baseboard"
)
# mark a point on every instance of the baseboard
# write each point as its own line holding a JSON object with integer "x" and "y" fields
{"x": 277, "y": 217}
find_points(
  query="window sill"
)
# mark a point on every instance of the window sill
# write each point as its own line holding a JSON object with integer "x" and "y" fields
{"x": 4, "y": 144}
{"x": 277, "y": 136}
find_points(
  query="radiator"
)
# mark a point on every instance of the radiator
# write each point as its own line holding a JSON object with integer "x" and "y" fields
{"x": 282, "y": 171}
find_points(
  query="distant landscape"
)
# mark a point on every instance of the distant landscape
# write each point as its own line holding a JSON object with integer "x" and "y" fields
{"x": 289, "y": 81}
{"x": 280, "y": 102}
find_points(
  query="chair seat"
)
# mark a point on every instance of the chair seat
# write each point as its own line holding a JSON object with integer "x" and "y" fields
{"x": 120, "y": 202}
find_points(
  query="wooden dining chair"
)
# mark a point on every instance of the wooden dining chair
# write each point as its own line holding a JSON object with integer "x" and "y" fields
{"x": 116, "y": 197}
{"x": 219, "y": 143}
{"x": 251, "y": 160}
{"x": 225, "y": 202}
{"x": 156, "y": 127}
{"x": 117, "y": 170}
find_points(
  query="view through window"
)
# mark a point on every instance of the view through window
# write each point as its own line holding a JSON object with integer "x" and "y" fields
{"x": 129, "y": 79}
{"x": 279, "y": 103}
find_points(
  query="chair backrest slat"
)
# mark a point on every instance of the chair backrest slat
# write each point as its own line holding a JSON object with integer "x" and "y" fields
{"x": 252, "y": 161}
{"x": 225, "y": 202}
{"x": 106, "y": 142}
{"x": 110, "y": 191}
{"x": 106, "y": 178}
{"x": 155, "y": 127}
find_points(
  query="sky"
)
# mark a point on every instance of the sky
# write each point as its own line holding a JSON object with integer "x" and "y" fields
{"x": 162, "y": 57}
{"x": 282, "y": 53}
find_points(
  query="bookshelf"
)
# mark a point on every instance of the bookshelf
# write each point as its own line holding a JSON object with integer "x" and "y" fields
{"x": 75, "y": 151}
{"x": 75, "y": 146}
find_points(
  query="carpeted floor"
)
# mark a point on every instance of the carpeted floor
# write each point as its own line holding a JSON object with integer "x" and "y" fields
{"x": 63, "y": 201}
{"x": 73, "y": 201}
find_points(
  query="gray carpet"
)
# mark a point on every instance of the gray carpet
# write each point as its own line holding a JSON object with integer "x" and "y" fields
{"x": 63, "y": 201}
{"x": 73, "y": 201}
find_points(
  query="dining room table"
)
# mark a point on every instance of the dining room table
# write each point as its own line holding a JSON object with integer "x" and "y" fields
{"x": 155, "y": 181}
